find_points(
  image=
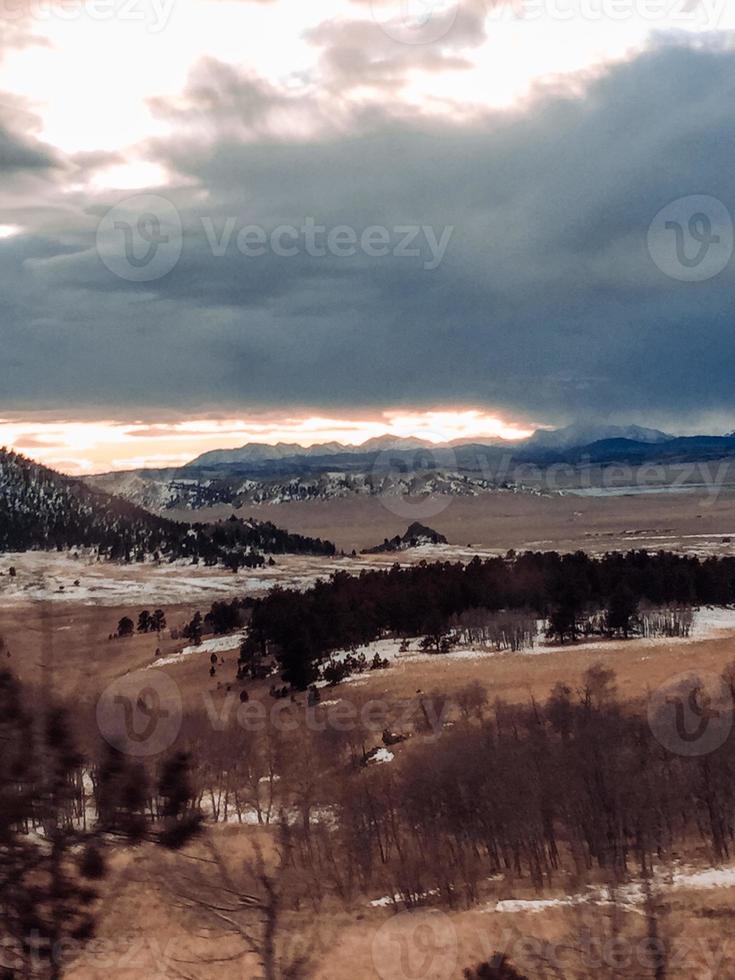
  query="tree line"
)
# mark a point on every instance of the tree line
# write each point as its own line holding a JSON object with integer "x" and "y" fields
{"x": 571, "y": 592}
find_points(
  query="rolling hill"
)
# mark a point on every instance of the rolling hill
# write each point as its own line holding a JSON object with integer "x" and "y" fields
{"x": 41, "y": 509}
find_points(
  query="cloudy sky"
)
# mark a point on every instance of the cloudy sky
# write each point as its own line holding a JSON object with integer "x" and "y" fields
{"x": 229, "y": 221}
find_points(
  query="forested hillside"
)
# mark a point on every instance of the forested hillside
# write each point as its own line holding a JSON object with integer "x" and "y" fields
{"x": 573, "y": 593}
{"x": 42, "y": 509}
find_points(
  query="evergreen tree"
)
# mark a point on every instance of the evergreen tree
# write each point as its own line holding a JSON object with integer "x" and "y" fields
{"x": 125, "y": 627}
{"x": 622, "y": 611}
{"x": 158, "y": 621}
{"x": 193, "y": 629}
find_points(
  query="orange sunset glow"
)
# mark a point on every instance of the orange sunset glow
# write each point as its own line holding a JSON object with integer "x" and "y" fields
{"x": 84, "y": 447}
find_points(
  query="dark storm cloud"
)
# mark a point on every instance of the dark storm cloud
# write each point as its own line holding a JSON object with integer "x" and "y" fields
{"x": 19, "y": 152}
{"x": 16, "y": 154}
{"x": 546, "y": 302}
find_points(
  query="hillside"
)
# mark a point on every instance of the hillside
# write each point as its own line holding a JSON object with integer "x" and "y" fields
{"x": 41, "y": 509}
{"x": 162, "y": 493}
{"x": 416, "y": 536}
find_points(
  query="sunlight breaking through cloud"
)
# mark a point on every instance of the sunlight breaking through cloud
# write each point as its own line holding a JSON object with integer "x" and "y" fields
{"x": 85, "y": 447}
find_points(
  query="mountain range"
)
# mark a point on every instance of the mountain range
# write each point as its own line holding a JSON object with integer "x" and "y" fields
{"x": 582, "y": 434}
{"x": 256, "y": 474}
{"x": 255, "y": 452}
{"x": 121, "y": 515}
{"x": 565, "y": 438}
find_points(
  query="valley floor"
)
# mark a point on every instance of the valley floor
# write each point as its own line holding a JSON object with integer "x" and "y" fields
{"x": 695, "y": 519}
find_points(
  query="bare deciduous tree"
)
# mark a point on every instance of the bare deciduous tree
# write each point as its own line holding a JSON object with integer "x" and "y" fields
{"x": 255, "y": 902}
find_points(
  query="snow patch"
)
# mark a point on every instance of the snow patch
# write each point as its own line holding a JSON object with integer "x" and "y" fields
{"x": 629, "y": 896}
{"x": 218, "y": 644}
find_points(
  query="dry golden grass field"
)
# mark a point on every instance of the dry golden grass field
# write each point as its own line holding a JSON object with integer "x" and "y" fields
{"x": 143, "y": 933}
{"x": 512, "y": 520}
{"x": 62, "y": 639}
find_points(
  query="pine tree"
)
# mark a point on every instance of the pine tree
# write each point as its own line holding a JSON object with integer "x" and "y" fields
{"x": 125, "y": 627}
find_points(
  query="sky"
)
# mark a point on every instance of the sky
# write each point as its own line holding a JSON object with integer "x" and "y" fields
{"x": 225, "y": 221}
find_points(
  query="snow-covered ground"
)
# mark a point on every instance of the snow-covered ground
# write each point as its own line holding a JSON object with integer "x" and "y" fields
{"x": 248, "y": 814}
{"x": 630, "y": 895}
{"x": 50, "y": 576}
{"x": 388, "y": 900}
{"x": 709, "y": 621}
{"x": 634, "y": 491}
{"x": 218, "y": 644}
